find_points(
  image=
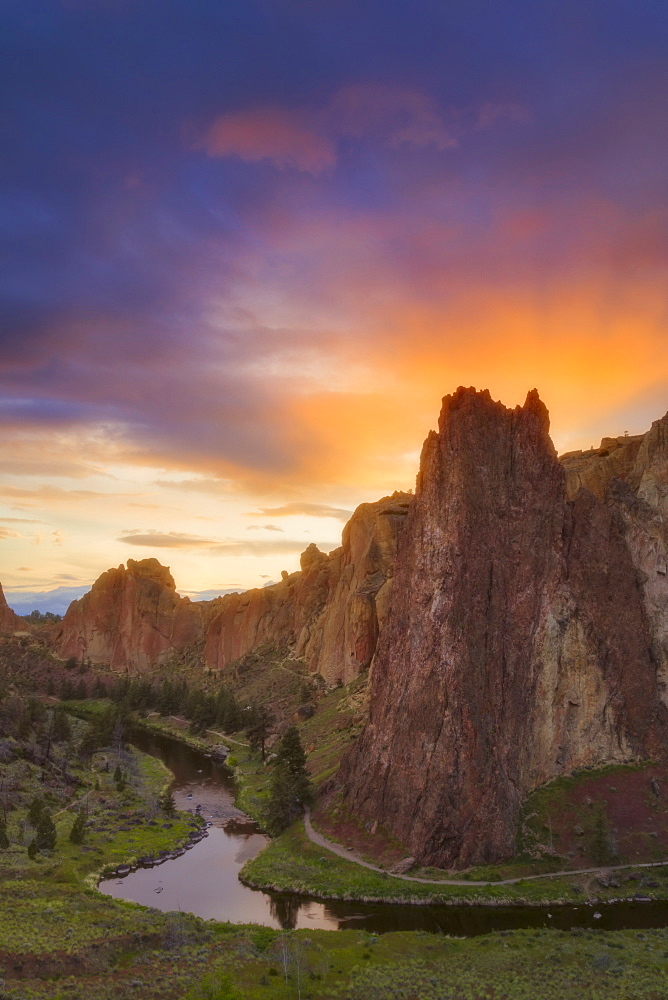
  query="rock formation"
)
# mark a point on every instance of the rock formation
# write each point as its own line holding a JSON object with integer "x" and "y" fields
{"x": 9, "y": 622}
{"x": 631, "y": 473}
{"x": 519, "y": 642}
{"x": 132, "y": 618}
{"x": 331, "y": 611}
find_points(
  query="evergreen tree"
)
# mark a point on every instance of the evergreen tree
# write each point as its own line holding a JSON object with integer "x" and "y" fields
{"x": 291, "y": 751}
{"x": 32, "y": 850}
{"x": 67, "y": 691}
{"x": 45, "y": 835}
{"x": 99, "y": 690}
{"x": 289, "y": 788}
{"x": 81, "y": 691}
{"x": 168, "y": 803}
{"x": 35, "y": 810}
{"x": 90, "y": 741}
{"x": 282, "y": 807}
{"x": 78, "y": 831}
{"x": 4, "y": 839}
{"x": 60, "y": 725}
{"x": 602, "y": 843}
{"x": 259, "y": 727}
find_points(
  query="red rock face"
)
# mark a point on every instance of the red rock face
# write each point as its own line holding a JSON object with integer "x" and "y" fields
{"x": 131, "y": 619}
{"x": 516, "y": 647}
{"x": 9, "y": 622}
{"x": 331, "y": 611}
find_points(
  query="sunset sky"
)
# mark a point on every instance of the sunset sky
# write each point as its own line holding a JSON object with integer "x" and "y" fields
{"x": 248, "y": 245}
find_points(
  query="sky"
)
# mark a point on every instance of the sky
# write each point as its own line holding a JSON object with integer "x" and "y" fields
{"x": 247, "y": 246}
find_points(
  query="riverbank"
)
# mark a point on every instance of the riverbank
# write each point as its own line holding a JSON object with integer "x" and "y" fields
{"x": 62, "y": 940}
{"x": 293, "y": 863}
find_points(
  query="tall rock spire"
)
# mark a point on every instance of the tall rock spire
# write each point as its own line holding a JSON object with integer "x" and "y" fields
{"x": 516, "y": 645}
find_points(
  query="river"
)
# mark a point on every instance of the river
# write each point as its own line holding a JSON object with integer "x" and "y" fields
{"x": 205, "y": 880}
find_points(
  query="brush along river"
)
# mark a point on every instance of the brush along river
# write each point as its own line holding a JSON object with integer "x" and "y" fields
{"x": 204, "y": 880}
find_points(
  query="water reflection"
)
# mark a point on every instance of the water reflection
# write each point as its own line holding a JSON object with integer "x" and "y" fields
{"x": 285, "y": 909}
{"x": 205, "y": 879}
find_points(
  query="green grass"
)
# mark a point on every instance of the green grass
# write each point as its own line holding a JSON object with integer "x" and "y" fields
{"x": 292, "y": 863}
{"x": 355, "y": 965}
{"x": 60, "y": 939}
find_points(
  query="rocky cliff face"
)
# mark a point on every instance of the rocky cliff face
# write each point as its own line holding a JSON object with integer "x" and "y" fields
{"x": 9, "y": 622}
{"x": 519, "y": 642}
{"x": 132, "y": 618}
{"x": 331, "y": 611}
{"x": 631, "y": 474}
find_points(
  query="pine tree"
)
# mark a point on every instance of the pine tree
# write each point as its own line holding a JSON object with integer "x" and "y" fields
{"x": 37, "y": 807}
{"x": 90, "y": 741}
{"x": 259, "y": 728}
{"x": 289, "y": 788}
{"x": 282, "y": 807}
{"x": 32, "y": 850}
{"x": 78, "y": 831}
{"x": 60, "y": 725}
{"x": 602, "y": 847}
{"x": 45, "y": 835}
{"x": 167, "y": 803}
{"x": 291, "y": 751}
{"x": 4, "y": 839}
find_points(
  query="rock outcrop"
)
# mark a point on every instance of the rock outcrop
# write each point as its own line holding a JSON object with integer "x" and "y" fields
{"x": 9, "y": 621}
{"x": 631, "y": 474}
{"x": 519, "y": 642}
{"x": 331, "y": 611}
{"x": 131, "y": 619}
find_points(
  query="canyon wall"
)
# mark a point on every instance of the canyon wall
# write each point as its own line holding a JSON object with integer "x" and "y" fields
{"x": 131, "y": 619}
{"x": 520, "y": 641}
{"x": 329, "y": 612}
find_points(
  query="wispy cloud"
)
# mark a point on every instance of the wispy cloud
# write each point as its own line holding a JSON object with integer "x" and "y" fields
{"x": 8, "y": 533}
{"x": 298, "y": 508}
{"x": 263, "y": 527}
{"x": 285, "y": 138}
{"x": 166, "y": 540}
{"x": 307, "y": 140}
{"x": 21, "y": 520}
{"x": 224, "y": 547}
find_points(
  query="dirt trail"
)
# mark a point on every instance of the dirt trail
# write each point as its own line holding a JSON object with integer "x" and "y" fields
{"x": 317, "y": 838}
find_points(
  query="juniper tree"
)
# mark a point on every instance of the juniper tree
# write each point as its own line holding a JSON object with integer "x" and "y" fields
{"x": 45, "y": 835}
{"x": 168, "y": 803}
{"x": 259, "y": 727}
{"x": 78, "y": 831}
{"x": 35, "y": 810}
{"x": 289, "y": 787}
